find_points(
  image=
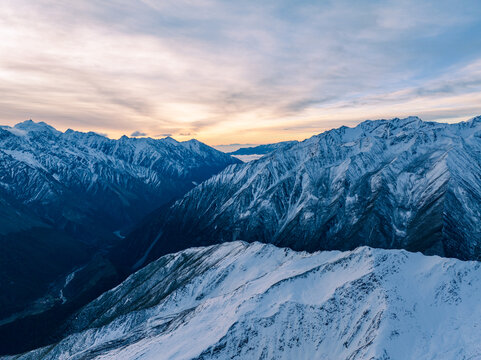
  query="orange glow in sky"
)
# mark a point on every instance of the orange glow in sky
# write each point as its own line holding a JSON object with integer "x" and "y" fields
{"x": 236, "y": 72}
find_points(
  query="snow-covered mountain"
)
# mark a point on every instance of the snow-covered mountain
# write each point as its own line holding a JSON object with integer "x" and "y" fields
{"x": 63, "y": 198}
{"x": 257, "y": 301}
{"x": 401, "y": 183}
{"x": 92, "y": 185}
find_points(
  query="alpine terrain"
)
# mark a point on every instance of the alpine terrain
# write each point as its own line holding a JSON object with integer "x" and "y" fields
{"x": 90, "y": 185}
{"x": 362, "y": 242}
{"x": 65, "y": 199}
{"x": 401, "y": 183}
{"x": 357, "y": 194}
{"x": 257, "y": 301}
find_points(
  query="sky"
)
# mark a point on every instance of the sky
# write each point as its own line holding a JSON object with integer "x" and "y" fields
{"x": 236, "y": 71}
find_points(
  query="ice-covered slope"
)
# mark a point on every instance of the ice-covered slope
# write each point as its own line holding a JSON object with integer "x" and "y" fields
{"x": 401, "y": 183}
{"x": 91, "y": 185}
{"x": 257, "y": 301}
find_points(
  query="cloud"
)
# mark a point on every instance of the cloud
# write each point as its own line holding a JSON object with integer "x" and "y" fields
{"x": 236, "y": 71}
{"x": 138, "y": 133}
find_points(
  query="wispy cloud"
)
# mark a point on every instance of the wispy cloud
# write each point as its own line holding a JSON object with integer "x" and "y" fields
{"x": 236, "y": 71}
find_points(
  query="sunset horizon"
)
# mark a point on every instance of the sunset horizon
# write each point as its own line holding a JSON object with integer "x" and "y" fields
{"x": 229, "y": 147}
{"x": 226, "y": 72}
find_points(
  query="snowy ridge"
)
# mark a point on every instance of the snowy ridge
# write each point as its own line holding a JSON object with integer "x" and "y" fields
{"x": 67, "y": 199}
{"x": 74, "y": 178}
{"x": 257, "y": 301}
{"x": 401, "y": 183}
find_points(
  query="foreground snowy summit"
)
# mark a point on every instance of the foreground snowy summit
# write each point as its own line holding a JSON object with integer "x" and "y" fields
{"x": 254, "y": 301}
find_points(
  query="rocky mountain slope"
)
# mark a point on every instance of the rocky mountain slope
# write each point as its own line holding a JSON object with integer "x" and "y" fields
{"x": 401, "y": 183}
{"x": 90, "y": 185}
{"x": 257, "y": 301}
{"x": 64, "y": 198}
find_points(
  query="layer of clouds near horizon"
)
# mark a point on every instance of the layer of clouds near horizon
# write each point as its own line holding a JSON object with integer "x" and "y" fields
{"x": 237, "y": 71}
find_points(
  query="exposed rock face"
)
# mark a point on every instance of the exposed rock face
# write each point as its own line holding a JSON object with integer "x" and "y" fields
{"x": 257, "y": 301}
{"x": 400, "y": 183}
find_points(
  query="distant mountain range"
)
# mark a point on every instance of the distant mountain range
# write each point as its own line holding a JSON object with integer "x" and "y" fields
{"x": 251, "y": 153}
{"x": 401, "y": 183}
{"x": 257, "y": 301}
{"x": 262, "y": 149}
{"x": 65, "y": 196}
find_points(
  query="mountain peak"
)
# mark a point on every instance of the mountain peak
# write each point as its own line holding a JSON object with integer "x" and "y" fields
{"x": 475, "y": 121}
{"x": 400, "y": 122}
{"x": 409, "y": 119}
{"x": 32, "y": 126}
{"x": 170, "y": 140}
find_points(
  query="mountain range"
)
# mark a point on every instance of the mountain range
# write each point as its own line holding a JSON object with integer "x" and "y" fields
{"x": 257, "y": 301}
{"x": 199, "y": 256}
{"x": 401, "y": 183}
{"x": 90, "y": 185}
{"x": 66, "y": 198}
